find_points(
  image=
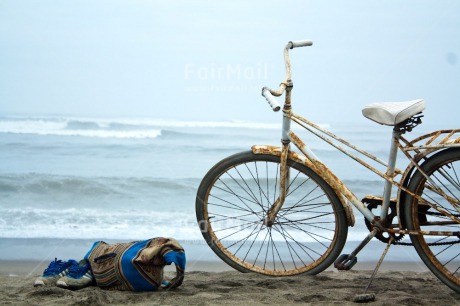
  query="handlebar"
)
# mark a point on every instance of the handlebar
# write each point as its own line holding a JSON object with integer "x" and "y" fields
{"x": 271, "y": 99}
{"x": 300, "y": 43}
{"x": 268, "y": 93}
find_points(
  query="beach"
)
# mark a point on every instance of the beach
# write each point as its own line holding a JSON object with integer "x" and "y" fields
{"x": 402, "y": 279}
{"x": 216, "y": 284}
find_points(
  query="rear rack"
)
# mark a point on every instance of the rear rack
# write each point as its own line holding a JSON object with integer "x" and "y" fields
{"x": 432, "y": 142}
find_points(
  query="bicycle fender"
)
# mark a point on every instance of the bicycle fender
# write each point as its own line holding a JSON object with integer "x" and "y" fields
{"x": 276, "y": 151}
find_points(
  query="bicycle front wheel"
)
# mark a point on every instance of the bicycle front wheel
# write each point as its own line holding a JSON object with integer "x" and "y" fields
{"x": 309, "y": 231}
{"x": 441, "y": 254}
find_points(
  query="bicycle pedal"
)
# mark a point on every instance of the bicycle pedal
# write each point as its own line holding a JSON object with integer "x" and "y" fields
{"x": 344, "y": 262}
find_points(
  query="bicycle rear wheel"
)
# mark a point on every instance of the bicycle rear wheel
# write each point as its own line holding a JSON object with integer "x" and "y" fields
{"x": 233, "y": 199}
{"x": 441, "y": 254}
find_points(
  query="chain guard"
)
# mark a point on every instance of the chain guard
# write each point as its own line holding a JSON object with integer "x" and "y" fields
{"x": 373, "y": 203}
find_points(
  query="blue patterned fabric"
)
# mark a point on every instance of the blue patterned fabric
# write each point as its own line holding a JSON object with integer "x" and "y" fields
{"x": 175, "y": 257}
{"x": 135, "y": 278}
{"x": 136, "y": 266}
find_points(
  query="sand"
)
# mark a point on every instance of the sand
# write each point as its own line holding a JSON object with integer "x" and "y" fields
{"x": 229, "y": 287}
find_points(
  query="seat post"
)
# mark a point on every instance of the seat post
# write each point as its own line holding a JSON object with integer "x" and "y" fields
{"x": 390, "y": 171}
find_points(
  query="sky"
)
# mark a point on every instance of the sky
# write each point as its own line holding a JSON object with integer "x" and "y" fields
{"x": 208, "y": 60}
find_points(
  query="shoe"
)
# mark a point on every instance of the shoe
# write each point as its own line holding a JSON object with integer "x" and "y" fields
{"x": 79, "y": 276}
{"x": 56, "y": 269}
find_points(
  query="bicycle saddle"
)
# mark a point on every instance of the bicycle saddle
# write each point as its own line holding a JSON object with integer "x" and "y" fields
{"x": 393, "y": 113}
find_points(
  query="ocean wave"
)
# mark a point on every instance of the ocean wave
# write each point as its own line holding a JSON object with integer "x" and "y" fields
{"x": 178, "y": 134}
{"x": 66, "y": 127}
{"x": 95, "y": 223}
{"x": 108, "y": 133}
{"x": 55, "y": 185}
{"x": 112, "y": 127}
{"x": 82, "y": 125}
{"x": 41, "y": 205}
{"x": 107, "y": 125}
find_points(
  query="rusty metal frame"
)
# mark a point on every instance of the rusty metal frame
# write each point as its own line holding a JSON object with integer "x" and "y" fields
{"x": 340, "y": 187}
{"x": 451, "y": 139}
{"x": 344, "y": 193}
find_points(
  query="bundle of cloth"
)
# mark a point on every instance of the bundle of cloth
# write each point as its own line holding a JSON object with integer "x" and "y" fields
{"x": 133, "y": 266}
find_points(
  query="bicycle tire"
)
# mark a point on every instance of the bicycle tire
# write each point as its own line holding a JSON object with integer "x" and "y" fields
{"x": 309, "y": 231}
{"x": 441, "y": 254}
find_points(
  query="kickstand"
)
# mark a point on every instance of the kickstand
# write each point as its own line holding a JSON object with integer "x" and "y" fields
{"x": 365, "y": 297}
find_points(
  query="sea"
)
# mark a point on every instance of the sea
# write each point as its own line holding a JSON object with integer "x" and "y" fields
{"x": 68, "y": 178}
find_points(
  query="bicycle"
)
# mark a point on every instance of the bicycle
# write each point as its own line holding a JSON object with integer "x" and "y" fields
{"x": 277, "y": 211}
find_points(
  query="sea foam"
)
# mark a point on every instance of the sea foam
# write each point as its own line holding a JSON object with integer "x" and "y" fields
{"x": 137, "y": 128}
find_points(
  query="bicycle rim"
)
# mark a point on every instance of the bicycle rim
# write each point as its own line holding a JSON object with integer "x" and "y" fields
{"x": 309, "y": 231}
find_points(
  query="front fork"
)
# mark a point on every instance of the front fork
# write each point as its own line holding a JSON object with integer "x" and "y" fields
{"x": 284, "y": 188}
{"x": 284, "y": 167}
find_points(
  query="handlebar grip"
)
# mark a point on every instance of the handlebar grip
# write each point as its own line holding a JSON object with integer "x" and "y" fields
{"x": 300, "y": 43}
{"x": 271, "y": 99}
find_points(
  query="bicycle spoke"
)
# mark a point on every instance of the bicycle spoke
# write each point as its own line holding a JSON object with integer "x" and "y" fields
{"x": 445, "y": 187}
{"x": 252, "y": 233}
{"x": 456, "y": 270}
{"x": 455, "y": 173}
{"x": 316, "y": 226}
{"x": 305, "y": 205}
{"x": 451, "y": 259}
{"x": 440, "y": 205}
{"x": 289, "y": 248}
{"x": 239, "y": 198}
{"x": 261, "y": 247}
{"x": 437, "y": 190}
{"x": 260, "y": 204}
{"x": 301, "y": 245}
{"x": 273, "y": 253}
{"x": 237, "y": 195}
{"x": 443, "y": 250}
{"x": 261, "y": 225}
{"x": 449, "y": 177}
{"x": 258, "y": 183}
{"x": 234, "y": 205}
{"x": 293, "y": 225}
{"x": 298, "y": 202}
{"x": 279, "y": 256}
{"x": 266, "y": 253}
{"x": 232, "y": 218}
{"x": 310, "y": 210}
{"x": 227, "y": 228}
{"x": 297, "y": 186}
{"x": 311, "y": 218}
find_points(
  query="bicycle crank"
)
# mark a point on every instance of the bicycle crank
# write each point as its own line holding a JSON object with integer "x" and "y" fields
{"x": 373, "y": 202}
